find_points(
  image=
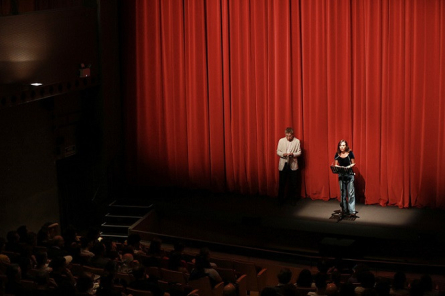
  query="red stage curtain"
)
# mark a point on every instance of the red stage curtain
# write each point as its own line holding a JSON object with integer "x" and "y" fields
{"x": 210, "y": 86}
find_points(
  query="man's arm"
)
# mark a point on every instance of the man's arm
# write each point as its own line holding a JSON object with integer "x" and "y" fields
{"x": 280, "y": 152}
{"x": 297, "y": 149}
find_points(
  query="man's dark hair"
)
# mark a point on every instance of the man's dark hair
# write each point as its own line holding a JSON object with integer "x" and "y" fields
{"x": 84, "y": 283}
{"x": 426, "y": 282}
{"x": 133, "y": 239}
{"x": 178, "y": 246}
{"x": 284, "y": 276}
{"x": 269, "y": 291}
{"x": 321, "y": 281}
{"x": 57, "y": 263}
{"x": 84, "y": 241}
{"x": 11, "y": 236}
{"x": 138, "y": 272}
{"x": 304, "y": 278}
{"x": 42, "y": 278}
{"x": 399, "y": 280}
{"x": 98, "y": 249}
{"x": 366, "y": 279}
{"x": 382, "y": 287}
{"x": 347, "y": 289}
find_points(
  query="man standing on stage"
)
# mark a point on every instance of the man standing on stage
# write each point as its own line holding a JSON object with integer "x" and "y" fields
{"x": 288, "y": 150}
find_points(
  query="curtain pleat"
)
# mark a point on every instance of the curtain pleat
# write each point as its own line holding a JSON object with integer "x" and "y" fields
{"x": 210, "y": 86}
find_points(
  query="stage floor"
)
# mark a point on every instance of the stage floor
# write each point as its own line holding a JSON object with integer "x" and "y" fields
{"x": 306, "y": 227}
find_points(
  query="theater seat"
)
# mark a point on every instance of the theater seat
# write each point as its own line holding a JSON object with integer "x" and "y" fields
{"x": 229, "y": 276}
{"x": 172, "y": 276}
{"x": 256, "y": 280}
{"x": 204, "y": 287}
{"x": 135, "y": 292}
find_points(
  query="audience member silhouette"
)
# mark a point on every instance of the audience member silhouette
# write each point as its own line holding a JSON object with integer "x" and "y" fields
{"x": 86, "y": 254}
{"x": 99, "y": 260}
{"x": 106, "y": 286}
{"x": 322, "y": 266}
{"x": 13, "y": 242}
{"x": 111, "y": 249}
{"x": 72, "y": 243}
{"x": 45, "y": 285}
{"x": 127, "y": 263}
{"x": 70, "y": 237}
{"x": 369, "y": 292}
{"x": 270, "y": 291}
{"x": 416, "y": 288}
{"x": 347, "y": 289}
{"x": 366, "y": 280}
{"x": 43, "y": 238}
{"x": 154, "y": 252}
{"x": 13, "y": 285}
{"x": 60, "y": 273}
{"x": 230, "y": 290}
{"x": 176, "y": 263}
{"x": 57, "y": 248}
{"x": 426, "y": 283}
{"x": 155, "y": 248}
{"x": 179, "y": 247}
{"x": 305, "y": 279}
{"x": 93, "y": 234}
{"x": 42, "y": 262}
{"x": 399, "y": 284}
{"x": 284, "y": 286}
{"x": 205, "y": 253}
{"x": 134, "y": 242}
{"x": 357, "y": 269}
{"x": 4, "y": 263}
{"x": 25, "y": 268}
{"x": 203, "y": 268}
{"x": 84, "y": 285}
{"x": 22, "y": 231}
{"x": 382, "y": 286}
{"x": 2, "y": 244}
{"x": 143, "y": 283}
{"x": 334, "y": 285}
{"x": 31, "y": 240}
{"x": 58, "y": 276}
{"x": 320, "y": 285}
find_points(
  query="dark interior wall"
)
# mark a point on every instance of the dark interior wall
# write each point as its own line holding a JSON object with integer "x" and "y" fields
{"x": 113, "y": 135}
{"x": 47, "y": 46}
{"x": 40, "y": 182}
{"x": 28, "y": 187}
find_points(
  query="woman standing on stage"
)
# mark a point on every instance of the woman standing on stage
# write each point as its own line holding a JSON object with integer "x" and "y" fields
{"x": 346, "y": 159}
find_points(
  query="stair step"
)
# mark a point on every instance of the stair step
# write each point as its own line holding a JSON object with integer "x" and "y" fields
{"x": 120, "y": 229}
{"x": 121, "y": 215}
{"x": 114, "y": 236}
{"x": 121, "y": 219}
{"x": 128, "y": 210}
{"x": 131, "y": 203}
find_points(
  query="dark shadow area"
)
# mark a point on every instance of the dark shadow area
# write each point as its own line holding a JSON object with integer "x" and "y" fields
{"x": 258, "y": 225}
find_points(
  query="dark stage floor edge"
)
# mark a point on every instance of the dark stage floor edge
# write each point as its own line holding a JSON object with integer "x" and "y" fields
{"x": 301, "y": 231}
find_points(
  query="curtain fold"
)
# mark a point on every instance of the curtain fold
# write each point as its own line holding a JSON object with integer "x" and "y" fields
{"x": 210, "y": 86}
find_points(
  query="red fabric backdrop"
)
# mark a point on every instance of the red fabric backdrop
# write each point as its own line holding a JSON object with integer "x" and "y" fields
{"x": 210, "y": 86}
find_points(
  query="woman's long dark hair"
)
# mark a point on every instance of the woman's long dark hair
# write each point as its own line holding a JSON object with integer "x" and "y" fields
{"x": 338, "y": 147}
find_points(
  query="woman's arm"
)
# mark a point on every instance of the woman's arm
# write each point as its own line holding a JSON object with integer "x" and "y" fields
{"x": 352, "y": 163}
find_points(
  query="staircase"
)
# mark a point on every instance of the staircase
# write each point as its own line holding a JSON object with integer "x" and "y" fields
{"x": 121, "y": 215}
